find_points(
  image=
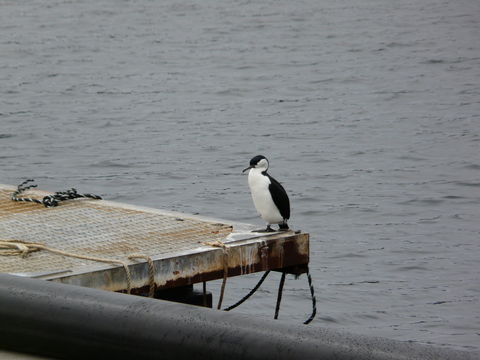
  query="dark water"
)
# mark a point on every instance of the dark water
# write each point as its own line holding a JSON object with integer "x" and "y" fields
{"x": 368, "y": 111}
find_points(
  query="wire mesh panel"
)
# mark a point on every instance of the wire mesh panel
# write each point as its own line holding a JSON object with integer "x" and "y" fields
{"x": 96, "y": 228}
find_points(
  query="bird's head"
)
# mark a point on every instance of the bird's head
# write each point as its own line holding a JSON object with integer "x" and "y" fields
{"x": 258, "y": 162}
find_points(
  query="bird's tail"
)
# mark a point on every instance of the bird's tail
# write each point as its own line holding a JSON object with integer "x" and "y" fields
{"x": 283, "y": 226}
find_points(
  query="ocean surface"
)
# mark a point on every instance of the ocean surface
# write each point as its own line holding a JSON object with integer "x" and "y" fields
{"x": 368, "y": 110}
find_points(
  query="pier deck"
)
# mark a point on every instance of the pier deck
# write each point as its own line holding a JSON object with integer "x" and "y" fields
{"x": 176, "y": 243}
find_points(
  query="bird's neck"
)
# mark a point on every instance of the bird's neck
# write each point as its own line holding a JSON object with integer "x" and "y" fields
{"x": 257, "y": 176}
{"x": 257, "y": 172}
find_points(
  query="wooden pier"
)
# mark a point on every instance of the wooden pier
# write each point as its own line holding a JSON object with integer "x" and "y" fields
{"x": 184, "y": 249}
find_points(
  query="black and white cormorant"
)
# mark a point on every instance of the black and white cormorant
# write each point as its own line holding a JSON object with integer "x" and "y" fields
{"x": 269, "y": 196}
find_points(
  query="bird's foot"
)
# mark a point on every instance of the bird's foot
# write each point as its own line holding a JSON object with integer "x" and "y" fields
{"x": 268, "y": 229}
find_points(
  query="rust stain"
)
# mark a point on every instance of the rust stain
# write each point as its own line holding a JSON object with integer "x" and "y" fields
{"x": 271, "y": 255}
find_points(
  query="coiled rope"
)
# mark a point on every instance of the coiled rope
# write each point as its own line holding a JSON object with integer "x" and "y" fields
{"x": 49, "y": 200}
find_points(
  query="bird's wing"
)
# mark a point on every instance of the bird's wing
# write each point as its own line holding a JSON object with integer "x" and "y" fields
{"x": 280, "y": 197}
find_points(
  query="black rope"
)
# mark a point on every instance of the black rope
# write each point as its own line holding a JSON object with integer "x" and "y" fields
{"x": 205, "y": 294}
{"x": 264, "y": 276}
{"x": 279, "y": 295}
{"x": 21, "y": 188}
{"x": 314, "y": 300}
{"x": 49, "y": 200}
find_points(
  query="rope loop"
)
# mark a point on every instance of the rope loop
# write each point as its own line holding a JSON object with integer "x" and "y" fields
{"x": 17, "y": 247}
{"x": 226, "y": 252}
{"x": 151, "y": 272}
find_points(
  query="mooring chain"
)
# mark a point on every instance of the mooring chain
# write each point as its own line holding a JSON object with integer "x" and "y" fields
{"x": 49, "y": 200}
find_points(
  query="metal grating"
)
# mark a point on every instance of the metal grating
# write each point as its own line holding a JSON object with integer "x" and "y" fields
{"x": 96, "y": 228}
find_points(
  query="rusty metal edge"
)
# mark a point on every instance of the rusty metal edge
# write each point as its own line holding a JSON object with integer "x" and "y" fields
{"x": 246, "y": 256}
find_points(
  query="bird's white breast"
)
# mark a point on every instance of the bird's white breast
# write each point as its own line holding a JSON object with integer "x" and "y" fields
{"x": 262, "y": 199}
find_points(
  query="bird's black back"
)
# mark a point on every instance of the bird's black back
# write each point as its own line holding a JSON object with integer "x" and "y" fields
{"x": 280, "y": 197}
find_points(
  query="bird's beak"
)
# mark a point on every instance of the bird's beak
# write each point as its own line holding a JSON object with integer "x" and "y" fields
{"x": 246, "y": 169}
